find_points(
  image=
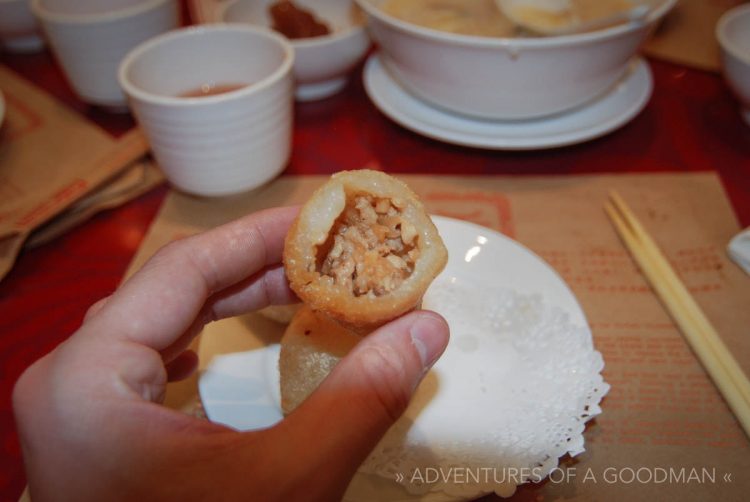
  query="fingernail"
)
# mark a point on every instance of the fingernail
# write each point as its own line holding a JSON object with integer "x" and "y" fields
{"x": 430, "y": 337}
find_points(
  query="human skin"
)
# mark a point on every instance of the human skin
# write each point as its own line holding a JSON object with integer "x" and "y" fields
{"x": 90, "y": 414}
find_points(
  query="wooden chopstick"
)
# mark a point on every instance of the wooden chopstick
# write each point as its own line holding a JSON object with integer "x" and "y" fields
{"x": 688, "y": 304}
{"x": 695, "y": 326}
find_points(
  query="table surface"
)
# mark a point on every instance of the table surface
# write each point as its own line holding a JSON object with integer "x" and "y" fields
{"x": 691, "y": 123}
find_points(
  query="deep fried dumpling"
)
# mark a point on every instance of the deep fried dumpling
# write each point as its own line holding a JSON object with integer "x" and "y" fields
{"x": 363, "y": 250}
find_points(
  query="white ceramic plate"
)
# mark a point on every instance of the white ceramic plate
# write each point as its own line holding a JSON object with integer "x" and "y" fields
{"x": 597, "y": 118}
{"x": 239, "y": 386}
{"x": 239, "y": 382}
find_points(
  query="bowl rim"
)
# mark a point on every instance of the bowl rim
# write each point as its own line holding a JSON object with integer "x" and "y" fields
{"x": 519, "y": 42}
{"x": 47, "y": 15}
{"x": 350, "y": 31}
{"x": 721, "y": 35}
{"x": 131, "y": 89}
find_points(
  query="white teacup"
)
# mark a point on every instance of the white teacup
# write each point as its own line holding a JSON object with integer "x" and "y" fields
{"x": 733, "y": 33}
{"x": 321, "y": 64}
{"x": 18, "y": 29}
{"x": 235, "y": 137}
{"x": 90, "y": 37}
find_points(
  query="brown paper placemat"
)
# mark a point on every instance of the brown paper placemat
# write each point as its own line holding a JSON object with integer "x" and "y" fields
{"x": 44, "y": 150}
{"x": 662, "y": 412}
{"x": 687, "y": 34}
{"x": 51, "y": 158}
{"x": 133, "y": 181}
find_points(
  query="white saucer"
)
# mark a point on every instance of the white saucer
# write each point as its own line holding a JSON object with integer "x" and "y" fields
{"x": 239, "y": 379}
{"x": 239, "y": 384}
{"x": 597, "y": 118}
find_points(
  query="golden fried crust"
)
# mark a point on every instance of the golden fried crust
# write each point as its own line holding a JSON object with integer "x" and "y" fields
{"x": 386, "y": 276}
{"x": 311, "y": 346}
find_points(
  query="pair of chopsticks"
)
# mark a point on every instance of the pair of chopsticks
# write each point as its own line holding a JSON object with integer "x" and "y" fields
{"x": 702, "y": 337}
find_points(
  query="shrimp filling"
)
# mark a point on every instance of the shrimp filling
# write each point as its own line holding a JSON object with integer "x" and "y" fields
{"x": 372, "y": 248}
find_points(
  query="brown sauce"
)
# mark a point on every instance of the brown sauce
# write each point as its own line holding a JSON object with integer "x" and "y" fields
{"x": 295, "y": 22}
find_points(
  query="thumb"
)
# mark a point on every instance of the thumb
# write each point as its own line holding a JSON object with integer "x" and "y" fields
{"x": 342, "y": 421}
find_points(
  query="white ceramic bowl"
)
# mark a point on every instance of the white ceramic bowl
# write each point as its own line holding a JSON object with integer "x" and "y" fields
{"x": 322, "y": 64}
{"x": 733, "y": 33}
{"x": 223, "y": 143}
{"x": 18, "y": 29}
{"x": 506, "y": 78}
{"x": 90, "y": 37}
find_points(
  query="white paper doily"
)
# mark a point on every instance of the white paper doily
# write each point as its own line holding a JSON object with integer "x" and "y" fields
{"x": 509, "y": 397}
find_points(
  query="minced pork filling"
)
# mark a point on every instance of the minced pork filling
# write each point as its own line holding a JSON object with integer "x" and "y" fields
{"x": 373, "y": 248}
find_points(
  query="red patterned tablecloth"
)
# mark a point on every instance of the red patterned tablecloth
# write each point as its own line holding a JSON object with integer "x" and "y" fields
{"x": 691, "y": 124}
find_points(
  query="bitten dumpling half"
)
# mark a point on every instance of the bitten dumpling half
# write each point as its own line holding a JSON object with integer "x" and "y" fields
{"x": 363, "y": 251}
{"x": 311, "y": 347}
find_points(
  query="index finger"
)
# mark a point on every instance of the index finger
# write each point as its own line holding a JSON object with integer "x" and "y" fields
{"x": 161, "y": 301}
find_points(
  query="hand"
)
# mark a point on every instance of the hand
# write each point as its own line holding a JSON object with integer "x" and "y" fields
{"x": 90, "y": 417}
